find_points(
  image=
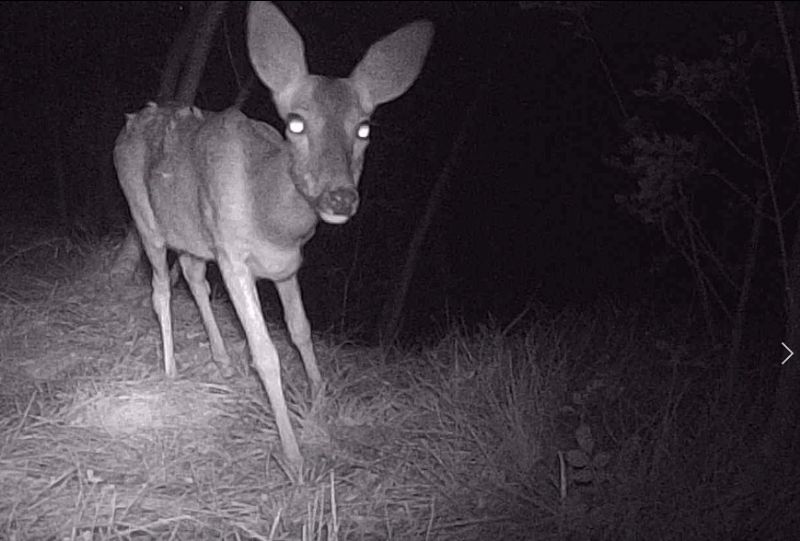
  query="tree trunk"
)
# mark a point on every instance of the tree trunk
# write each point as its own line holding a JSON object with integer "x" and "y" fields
{"x": 394, "y": 308}
{"x": 193, "y": 69}
{"x": 179, "y": 50}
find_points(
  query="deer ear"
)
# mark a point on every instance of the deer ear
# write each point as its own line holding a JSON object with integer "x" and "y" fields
{"x": 276, "y": 51}
{"x": 392, "y": 64}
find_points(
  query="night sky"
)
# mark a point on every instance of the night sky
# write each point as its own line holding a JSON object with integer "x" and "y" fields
{"x": 530, "y": 210}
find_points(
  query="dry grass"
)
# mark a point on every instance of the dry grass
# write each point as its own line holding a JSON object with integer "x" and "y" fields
{"x": 98, "y": 445}
{"x": 540, "y": 436}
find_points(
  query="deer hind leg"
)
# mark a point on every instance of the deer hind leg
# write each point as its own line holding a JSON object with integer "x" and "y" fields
{"x": 157, "y": 254}
{"x": 299, "y": 328}
{"x": 131, "y": 161}
{"x": 194, "y": 270}
{"x": 242, "y": 290}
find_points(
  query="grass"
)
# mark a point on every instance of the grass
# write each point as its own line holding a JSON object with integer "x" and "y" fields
{"x": 594, "y": 423}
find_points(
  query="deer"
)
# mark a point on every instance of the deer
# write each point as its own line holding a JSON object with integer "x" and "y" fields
{"x": 222, "y": 187}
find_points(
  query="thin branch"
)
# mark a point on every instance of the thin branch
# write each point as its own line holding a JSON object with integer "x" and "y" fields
{"x": 732, "y": 187}
{"x": 730, "y": 142}
{"x": 603, "y": 64}
{"x": 787, "y": 44}
{"x": 774, "y": 200}
{"x": 708, "y": 250}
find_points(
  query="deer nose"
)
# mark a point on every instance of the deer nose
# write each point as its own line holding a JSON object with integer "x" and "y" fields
{"x": 342, "y": 201}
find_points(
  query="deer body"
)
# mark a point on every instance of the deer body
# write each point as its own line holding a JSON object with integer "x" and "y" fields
{"x": 200, "y": 197}
{"x": 223, "y": 187}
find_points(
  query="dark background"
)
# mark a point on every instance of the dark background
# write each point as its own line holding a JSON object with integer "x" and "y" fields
{"x": 529, "y": 213}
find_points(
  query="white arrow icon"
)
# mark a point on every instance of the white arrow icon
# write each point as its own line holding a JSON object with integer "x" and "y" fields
{"x": 790, "y": 353}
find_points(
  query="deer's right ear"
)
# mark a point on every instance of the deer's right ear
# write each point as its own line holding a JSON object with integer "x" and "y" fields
{"x": 276, "y": 51}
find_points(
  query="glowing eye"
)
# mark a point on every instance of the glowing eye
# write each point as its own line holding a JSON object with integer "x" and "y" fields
{"x": 295, "y": 124}
{"x": 363, "y": 131}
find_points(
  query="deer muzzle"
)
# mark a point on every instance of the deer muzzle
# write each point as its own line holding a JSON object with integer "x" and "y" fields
{"x": 338, "y": 205}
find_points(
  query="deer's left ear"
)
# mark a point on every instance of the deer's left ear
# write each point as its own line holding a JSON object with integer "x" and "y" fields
{"x": 392, "y": 64}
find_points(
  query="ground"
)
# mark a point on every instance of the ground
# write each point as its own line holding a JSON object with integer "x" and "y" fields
{"x": 603, "y": 422}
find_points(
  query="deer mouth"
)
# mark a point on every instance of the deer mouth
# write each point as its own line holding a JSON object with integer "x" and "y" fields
{"x": 333, "y": 219}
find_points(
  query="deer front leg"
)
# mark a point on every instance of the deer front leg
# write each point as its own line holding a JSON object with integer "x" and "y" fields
{"x": 299, "y": 328}
{"x": 242, "y": 290}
